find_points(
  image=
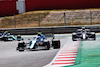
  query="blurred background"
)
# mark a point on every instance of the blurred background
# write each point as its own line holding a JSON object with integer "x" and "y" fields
{"x": 52, "y": 18}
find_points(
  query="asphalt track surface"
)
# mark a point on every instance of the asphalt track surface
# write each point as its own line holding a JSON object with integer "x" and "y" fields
{"x": 9, "y": 57}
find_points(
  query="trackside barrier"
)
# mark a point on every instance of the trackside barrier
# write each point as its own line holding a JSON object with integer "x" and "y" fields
{"x": 48, "y": 30}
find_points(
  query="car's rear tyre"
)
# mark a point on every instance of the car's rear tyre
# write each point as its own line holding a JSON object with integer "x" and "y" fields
{"x": 21, "y": 49}
{"x": 21, "y": 46}
{"x": 73, "y": 37}
{"x": 5, "y": 38}
{"x": 94, "y": 37}
{"x": 56, "y": 44}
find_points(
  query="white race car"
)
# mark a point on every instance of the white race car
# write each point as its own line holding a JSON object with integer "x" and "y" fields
{"x": 83, "y": 34}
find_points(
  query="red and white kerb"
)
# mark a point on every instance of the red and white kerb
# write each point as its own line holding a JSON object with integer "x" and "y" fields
{"x": 66, "y": 56}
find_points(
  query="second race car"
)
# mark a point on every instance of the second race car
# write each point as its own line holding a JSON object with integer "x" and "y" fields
{"x": 6, "y": 36}
{"x": 83, "y": 34}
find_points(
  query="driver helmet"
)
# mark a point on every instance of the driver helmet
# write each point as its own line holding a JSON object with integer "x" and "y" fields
{"x": 39, "y": 33}
{"x": 6, "y": 31}
{"x": 83, "y": 28}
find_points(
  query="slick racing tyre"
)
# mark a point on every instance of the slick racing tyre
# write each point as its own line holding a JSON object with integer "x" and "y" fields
{"x": 47, "y": 45}
{"x": 94, "y": 37}
{"x": 56, "y": 44}
{"x": 73, "y": 37}
{"x": 21, "y": 47}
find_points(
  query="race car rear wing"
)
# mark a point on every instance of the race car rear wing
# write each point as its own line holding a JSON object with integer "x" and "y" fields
{"x": 49, "y": 35}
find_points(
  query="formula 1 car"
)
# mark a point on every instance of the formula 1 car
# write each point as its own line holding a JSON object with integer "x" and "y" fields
{"x": 83, "y": 34}
{"x": 5, "y": 36}
{"x": 39, "y": 42}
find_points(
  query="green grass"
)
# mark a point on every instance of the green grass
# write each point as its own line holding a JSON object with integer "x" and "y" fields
{"x": 90, "y": 54}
